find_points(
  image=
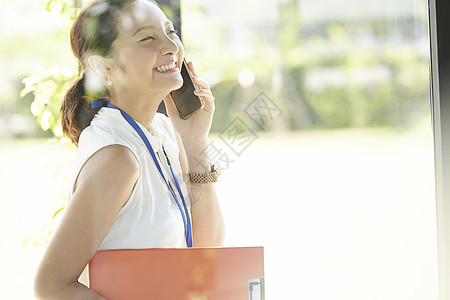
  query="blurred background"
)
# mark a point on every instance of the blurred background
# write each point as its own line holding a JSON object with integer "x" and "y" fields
{"x": 322, "y": 132}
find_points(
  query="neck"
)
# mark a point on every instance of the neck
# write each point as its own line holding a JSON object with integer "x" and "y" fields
{"x": 141, "y": 107}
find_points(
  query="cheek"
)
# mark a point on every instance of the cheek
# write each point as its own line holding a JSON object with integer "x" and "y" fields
{"x": 180, "y": 49}
{"x": 137, "y": 60}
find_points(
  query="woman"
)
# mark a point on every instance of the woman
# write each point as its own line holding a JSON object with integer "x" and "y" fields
{"x": 118, "y": 197}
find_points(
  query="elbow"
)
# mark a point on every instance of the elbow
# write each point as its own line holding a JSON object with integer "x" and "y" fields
{"x": 45, "y": 287}
{"x": 208, "y": 238}
{"x": 42, "y": 288}
{"x": 219, "y": 237}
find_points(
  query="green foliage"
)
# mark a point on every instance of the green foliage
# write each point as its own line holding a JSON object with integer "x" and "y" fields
{"x": 393, "y": 100}
{"x": 67, "y": 10}
{"x": 40, "y": 237}
{"x": 48, "y": 87}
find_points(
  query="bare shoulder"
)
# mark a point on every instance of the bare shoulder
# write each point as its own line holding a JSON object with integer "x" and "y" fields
{"x": 115, "y": 157}
{"x": 111, "y": 165}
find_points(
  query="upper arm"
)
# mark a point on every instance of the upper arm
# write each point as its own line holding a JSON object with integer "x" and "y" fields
{"x": 104, "y": 185}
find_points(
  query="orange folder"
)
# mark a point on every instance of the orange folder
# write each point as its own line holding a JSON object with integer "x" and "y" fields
{"x": 179, "y": 274}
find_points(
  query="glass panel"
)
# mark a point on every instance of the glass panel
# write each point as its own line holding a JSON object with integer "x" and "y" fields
{"x": 323, "y": 134}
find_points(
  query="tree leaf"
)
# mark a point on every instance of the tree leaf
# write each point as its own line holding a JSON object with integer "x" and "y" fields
{"x": 58, "y": 211}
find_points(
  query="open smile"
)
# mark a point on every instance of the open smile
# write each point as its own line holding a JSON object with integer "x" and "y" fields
{"x": 167, "y": 68}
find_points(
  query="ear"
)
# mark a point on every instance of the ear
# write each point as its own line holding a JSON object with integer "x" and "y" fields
{"x": 99, "y": 65}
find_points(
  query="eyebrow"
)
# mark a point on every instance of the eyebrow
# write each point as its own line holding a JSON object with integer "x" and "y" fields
{"x": 168, "y": 22}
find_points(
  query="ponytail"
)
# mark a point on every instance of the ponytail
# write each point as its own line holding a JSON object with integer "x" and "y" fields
{"x": 76, "y": 111}
{"x": 93, "y": 32}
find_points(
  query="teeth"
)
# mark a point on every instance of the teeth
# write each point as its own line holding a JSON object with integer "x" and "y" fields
{"x": 166, "y": 67}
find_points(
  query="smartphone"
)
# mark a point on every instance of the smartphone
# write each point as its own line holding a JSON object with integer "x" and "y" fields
{"x": 184, "y": 98}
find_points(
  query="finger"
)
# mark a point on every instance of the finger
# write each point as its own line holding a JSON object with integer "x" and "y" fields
{"x": 205, "y": 94}
{"x": 202, "y": 83}
{"x": 191, "y": 67}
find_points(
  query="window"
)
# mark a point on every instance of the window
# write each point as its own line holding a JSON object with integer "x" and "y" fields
{"x": 323, "y": 131}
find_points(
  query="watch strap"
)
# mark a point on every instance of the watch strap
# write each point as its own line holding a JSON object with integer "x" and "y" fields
{"x": 204, "y": 178}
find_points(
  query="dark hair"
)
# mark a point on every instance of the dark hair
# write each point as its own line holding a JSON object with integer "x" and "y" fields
{"x": 93, "y": 32}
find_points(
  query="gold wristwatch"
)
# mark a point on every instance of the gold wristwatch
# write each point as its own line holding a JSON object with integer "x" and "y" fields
{"x": 204, "y": 178}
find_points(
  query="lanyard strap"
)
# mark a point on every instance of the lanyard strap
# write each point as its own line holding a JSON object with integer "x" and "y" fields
{"x": 185, "y": 213}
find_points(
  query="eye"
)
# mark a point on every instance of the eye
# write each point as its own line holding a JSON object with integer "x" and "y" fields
{"x": 147, "y": 38}
{"x": 173, "y": 31}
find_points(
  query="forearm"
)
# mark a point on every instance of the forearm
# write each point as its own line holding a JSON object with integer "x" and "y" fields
{"x": 207, "y": 220}
{"x": 72, "y": 291}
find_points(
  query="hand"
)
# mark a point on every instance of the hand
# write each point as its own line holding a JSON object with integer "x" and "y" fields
{"x": 197, "y": 126}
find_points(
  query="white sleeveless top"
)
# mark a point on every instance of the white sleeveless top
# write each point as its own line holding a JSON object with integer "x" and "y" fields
{"x": 150, "y": 218}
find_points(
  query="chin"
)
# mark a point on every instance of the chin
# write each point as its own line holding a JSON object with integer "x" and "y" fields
{"x": 179, "y": 85}
{"x": 170, "y": 85}
{"x": 176, "y": 85}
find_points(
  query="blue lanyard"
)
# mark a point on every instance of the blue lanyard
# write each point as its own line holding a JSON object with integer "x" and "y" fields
{"x": 185, "y": 213}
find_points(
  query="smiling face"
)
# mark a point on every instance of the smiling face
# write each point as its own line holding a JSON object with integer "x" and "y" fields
{"x": 148, "y": 52}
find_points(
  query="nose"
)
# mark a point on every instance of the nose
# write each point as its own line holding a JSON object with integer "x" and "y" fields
{"x": 169, "y": 46}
